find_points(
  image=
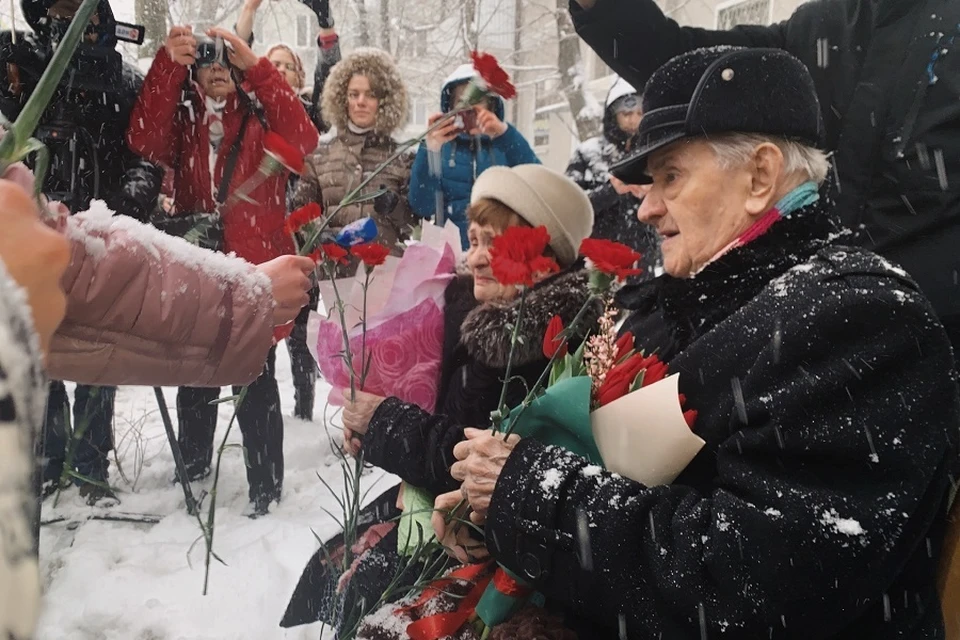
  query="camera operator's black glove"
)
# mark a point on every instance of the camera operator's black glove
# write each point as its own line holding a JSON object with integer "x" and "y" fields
{"x": 386, "y": 202}
{"x": 322, "y": 9}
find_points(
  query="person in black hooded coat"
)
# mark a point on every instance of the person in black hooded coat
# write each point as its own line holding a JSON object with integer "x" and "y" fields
{"x": 885, "y": 72}
{"x": 416, "y": 445}
{"x": 614, "y": 203}
{"x": 93, "y": 103}
{"x": 825, "y": 387}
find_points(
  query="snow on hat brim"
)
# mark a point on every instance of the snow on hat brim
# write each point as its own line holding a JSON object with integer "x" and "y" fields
{"x": 541, "y": 197}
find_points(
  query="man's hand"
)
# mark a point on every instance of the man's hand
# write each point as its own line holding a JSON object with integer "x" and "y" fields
{"x": 35, "y": 256}
{"x": 289, "y": 276}
{"x": 441, "y": 135}
{"x": 488, "y": 124}
{"x": 252, "y": 5}
{"x": 240, "y": 53}
{"x": 356, "y": 419}
{"x": 181, "y": 45}
{"x": 481, "y": 458}
{"x": 452, "y": 532}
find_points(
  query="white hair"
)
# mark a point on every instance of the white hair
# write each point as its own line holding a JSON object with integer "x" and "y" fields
{"x": 736, "y": 149}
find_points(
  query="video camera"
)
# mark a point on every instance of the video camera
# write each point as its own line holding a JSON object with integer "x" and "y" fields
{"x": 88, "y": 95}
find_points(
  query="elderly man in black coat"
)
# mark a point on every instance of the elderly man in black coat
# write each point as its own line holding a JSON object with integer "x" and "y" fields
{"x": 886, "y": 75}
{"x": 824, "y": 382}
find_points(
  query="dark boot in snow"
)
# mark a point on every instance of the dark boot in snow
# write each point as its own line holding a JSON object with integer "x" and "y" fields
{"x": 99, "y": 496}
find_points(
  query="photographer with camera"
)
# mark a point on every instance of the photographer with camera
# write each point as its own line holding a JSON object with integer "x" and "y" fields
{"x": 192, "y": 117}
{"x": 454, "y": 155}
{"x": 83, "y": 129}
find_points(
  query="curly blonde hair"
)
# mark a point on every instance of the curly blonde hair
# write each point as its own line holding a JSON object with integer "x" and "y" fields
{"x": 385, "y": 81}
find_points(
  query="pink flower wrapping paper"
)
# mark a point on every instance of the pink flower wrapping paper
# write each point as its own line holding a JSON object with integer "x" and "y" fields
{"x": 404, "y": 341}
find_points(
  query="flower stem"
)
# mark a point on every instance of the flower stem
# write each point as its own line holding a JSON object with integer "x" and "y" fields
{"x": 541, "y": 381}
{"x": 498, "y": 417}
{"x": 208, "y": 529}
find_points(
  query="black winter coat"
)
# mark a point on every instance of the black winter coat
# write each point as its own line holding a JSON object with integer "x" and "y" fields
{"x": 614, "y": 215}
{"x": 96, "y": 103}
{"x": 409, "y": 442}
{"x": 887, "y": 73}
{"x": 827, "y": 398}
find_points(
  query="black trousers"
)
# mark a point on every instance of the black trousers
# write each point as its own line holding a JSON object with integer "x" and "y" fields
{"x": 302, "y": 364}
{"x": 260, "y": 422}
{"x": 93, "y": 416}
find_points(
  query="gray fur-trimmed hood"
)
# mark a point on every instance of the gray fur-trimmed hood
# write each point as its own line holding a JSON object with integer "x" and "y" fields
{"x": 486, "y": 330}
{"x": 379, "y": 67}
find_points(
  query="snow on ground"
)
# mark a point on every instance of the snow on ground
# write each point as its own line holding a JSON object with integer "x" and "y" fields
{"x": 133, "y": 582}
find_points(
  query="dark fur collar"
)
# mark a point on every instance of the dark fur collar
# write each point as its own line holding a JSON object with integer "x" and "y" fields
{"x": 486, "y": 330}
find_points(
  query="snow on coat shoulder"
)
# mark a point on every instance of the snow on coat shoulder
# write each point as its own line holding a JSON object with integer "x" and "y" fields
{"x": 99, "y": 226}
{"x": 22, "y": 402}
{"x": 147, "y": 308}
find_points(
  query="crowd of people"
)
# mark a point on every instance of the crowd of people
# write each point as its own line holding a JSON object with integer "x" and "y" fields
{"x": 795, "y": 221}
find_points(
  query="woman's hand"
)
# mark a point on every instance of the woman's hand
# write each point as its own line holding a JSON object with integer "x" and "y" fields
{"x": 488, "y": 124}
{"x": 356, "y": 419}
{"x": 181, "y": 45}
{"x": 442, "y": 134}
{"x": 240, "y": 53}
{"x": 35, "y": 256}
{"x": 289, "y": 276}
{"x": 481, "y": 458}
{"x": 454, "y": 534}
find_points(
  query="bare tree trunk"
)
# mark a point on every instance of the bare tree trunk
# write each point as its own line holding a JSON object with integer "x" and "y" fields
{"x": 586, "y": 113}
{"x": 471, "y": 36}
{"x": 385, "y": 25}
{"x": 518, "y": 56}
{"x": 152, "y": 14}
{"x": 363, "y": 25}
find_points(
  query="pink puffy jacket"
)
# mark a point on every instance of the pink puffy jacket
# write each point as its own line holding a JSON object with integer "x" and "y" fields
{"x": 144, "y": 308}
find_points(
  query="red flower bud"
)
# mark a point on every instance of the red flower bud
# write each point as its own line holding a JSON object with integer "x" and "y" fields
{"x": 624, "y": 345}
{"x": 551, "y": 342}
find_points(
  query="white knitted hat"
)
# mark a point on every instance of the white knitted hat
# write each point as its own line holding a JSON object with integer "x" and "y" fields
{"x": 542, "y": 197}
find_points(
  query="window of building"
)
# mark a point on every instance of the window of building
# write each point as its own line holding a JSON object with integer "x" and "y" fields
{"x": 303, "y": 31}
{"x": 734, "y": 12}
{"x": 541, "y": 131}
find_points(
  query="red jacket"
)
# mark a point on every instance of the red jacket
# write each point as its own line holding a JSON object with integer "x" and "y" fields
{"x": 165, "y": 131}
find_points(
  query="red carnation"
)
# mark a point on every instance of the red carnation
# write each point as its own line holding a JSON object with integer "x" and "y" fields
{"x": 283, "y": 152}
{"x": 331, "y": 251}
{"x": 552, "y": 342}
{"x": 542, "y": 266}
{"x": 619, "y": 380}
{"x": 691, "y": 417}
{"x": 302, "y": 216}
{"x": 611, "y": 258}
{"x": 493, "y": 75}
{"x": 518, "y": 253}
{"x": 372, "y": 254}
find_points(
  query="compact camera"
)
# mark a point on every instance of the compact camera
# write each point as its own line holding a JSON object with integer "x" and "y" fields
{"x": 211, "y": 51}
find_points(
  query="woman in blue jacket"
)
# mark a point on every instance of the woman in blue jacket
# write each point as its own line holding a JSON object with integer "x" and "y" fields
{"x": 450, "y": 159}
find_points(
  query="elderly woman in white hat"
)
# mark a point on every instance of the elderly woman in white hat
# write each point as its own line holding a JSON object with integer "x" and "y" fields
{"x": 418, "y": 446}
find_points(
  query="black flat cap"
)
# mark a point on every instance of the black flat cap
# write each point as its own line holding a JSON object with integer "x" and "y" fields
{"x": 724, "y": 90}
